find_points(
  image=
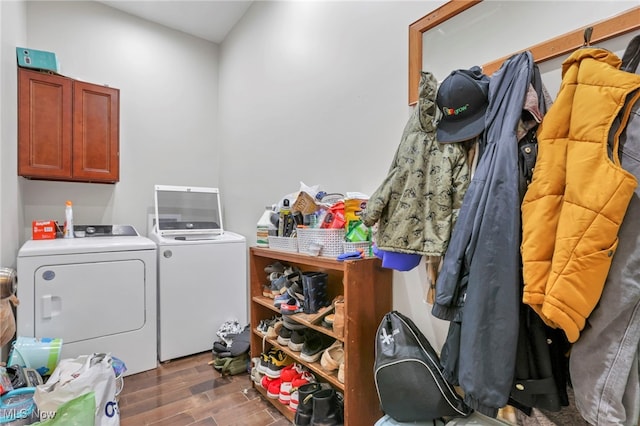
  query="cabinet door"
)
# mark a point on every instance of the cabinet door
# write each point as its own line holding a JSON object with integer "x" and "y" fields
{"x": 44, "y": 125}
{"x": 96, "y": 133}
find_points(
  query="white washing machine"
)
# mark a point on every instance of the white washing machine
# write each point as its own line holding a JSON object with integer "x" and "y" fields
{"x": 97, "y": 293}
{"x": 202, "y": 270}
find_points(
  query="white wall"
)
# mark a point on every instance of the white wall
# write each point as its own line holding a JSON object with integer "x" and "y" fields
{"x": 316, "y": 92}
{"x": 168, "y": 89}
{"x": 12, "y": 32}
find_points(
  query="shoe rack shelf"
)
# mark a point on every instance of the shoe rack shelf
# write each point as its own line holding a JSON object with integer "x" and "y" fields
{"x": 367, "y": 290}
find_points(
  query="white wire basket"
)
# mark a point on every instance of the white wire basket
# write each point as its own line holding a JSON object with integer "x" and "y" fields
{"x": 283, "y": 243}
{"x": 329, "y": 240}
{"x": 367, "y": 248}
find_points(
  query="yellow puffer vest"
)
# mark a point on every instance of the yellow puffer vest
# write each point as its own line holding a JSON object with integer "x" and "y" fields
{"x": 578, "y": 197}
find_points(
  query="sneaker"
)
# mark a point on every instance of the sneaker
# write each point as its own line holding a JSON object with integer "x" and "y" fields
{"x": 256, "y": 375}
{"x": 276, "y": 363}
{"x": 305, "y": 377}
{"x": 287, "y": 375}
{"x": 280, "y": 299}
{"x": 314, "y": 344}
{"x": 273, "y": 391}
{"x": 284, "y": 335}
{"x": 263, "y": 325}
{"x": 293, "y": 306}
{"x": 274, "y": 267}
{"x": 296, "y": 341}
{"x": 265, "y": 382}
{"x": 274, "y": 329}
{"x": 265, "y": 358}
{"x": 292, "y": 324}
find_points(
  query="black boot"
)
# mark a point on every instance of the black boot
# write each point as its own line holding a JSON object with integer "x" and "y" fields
{"x": 327, "y": 408}
{"x": 305, "y": 403}
{"x": 314, "y": 286}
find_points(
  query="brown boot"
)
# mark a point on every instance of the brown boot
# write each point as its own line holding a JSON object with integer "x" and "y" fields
{"x": 338, "y": 317}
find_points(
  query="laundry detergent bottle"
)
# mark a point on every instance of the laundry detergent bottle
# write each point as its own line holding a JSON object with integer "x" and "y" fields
{"x": 263, "y": 227}
{"x": 68, "y": 220}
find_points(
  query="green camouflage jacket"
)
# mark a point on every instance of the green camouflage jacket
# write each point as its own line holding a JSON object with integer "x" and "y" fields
{"x": 418, "y": 202}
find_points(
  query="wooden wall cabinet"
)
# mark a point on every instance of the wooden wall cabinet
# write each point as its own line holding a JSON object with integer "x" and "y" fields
{"x": 368, "y": 293}
{"x": 67, "y": 129}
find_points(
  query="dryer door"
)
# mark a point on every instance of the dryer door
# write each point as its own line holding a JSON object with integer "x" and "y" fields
{"x": 87, "y": 300}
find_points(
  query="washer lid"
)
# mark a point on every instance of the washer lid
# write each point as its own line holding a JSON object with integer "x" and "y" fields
{"x": 188, "y": 210}
{"x": 85, "y": 245}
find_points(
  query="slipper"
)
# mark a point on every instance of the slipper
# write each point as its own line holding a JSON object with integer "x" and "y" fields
{"x": 332, "y": 357}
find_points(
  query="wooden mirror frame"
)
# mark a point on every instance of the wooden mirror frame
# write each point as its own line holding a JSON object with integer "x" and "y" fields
{"x": 602, "y": 30}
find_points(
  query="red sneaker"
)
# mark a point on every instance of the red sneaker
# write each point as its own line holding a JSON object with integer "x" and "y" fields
{"x": 273, "y": 391}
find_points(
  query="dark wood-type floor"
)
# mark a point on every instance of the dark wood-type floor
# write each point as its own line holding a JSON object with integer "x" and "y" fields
{"x": 187, "y": 391}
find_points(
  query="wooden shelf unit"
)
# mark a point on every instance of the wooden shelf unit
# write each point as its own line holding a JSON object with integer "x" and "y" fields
{"x": 367, "y": 290}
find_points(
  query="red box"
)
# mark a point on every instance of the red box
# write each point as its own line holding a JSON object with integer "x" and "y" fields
{"x": 43, "y": 229}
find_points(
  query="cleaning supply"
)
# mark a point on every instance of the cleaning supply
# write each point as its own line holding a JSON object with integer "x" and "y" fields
{"x": 263, "y": 227}
{"x": 68, "y": 220}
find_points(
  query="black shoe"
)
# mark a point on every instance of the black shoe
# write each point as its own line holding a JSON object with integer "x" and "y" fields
{"x": 284, "y": 336}
{"x": 305, "y": 406}
{"x": 327, "y": 408}
{"x": 296, "y": 341}
{"x": 314, "y": 344}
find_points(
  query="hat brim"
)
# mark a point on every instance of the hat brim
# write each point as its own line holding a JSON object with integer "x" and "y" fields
{"x": 461, "y": 130}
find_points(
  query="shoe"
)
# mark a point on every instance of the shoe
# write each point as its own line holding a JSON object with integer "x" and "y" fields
{"x": 327, "y": 321}
{"x": 256, "y": 375}
{"x": 314, "y": 285}
{"x": 287, "y": 375}
{"x": 274, "y": 267}
{"x": 328, "y": 407}
{"x": 273, "y": 391}
{"x": 305, "y": 403}
{"x": 276, "y": 363}
{"x": 280, "y": 299}
{"x": 266, "y": 290}
{"x": 338, "y": 317}
{"x": 305, "y": 377}
{"x": 274, "y": 329}
{"x": 263, "y": 325}
{"x": 332, "y": 357}
{"x": 293, "y": 306}
{"x": 297, "y": 339}
{"x": 265, "y": 382}
{"x": 280, "y": 285}
{"x": 341, "y": 372}
{"x": 284, "y": 336}
{"x": 265, "y": 358}
{"x": 314, "y": 344}
{"x": 292, "y": 324}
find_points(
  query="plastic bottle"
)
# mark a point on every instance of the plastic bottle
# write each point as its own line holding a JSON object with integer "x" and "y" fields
{"x": 263, "y": 227}
{"x": 68, "y": 220}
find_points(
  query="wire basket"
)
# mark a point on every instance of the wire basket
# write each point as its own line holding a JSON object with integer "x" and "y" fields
{"x": 283, "y": 243}
{"x": 330, "y": 240}
{"x": 365, "y": 246}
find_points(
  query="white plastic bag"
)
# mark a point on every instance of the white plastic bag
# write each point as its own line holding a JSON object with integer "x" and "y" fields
{"x": 75, "y": 377}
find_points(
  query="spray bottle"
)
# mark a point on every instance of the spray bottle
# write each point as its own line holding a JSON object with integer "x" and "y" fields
{"x": 68, "y": 220}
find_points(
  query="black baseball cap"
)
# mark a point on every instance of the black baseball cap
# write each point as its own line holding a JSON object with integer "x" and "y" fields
{"x": 462, "y": 99}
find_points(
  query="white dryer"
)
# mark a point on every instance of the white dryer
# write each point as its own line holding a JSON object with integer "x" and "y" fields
{"x": 97, "y": 293}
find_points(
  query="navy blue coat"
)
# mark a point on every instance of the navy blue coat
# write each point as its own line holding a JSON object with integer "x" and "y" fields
{"x": 478, "y": 288}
